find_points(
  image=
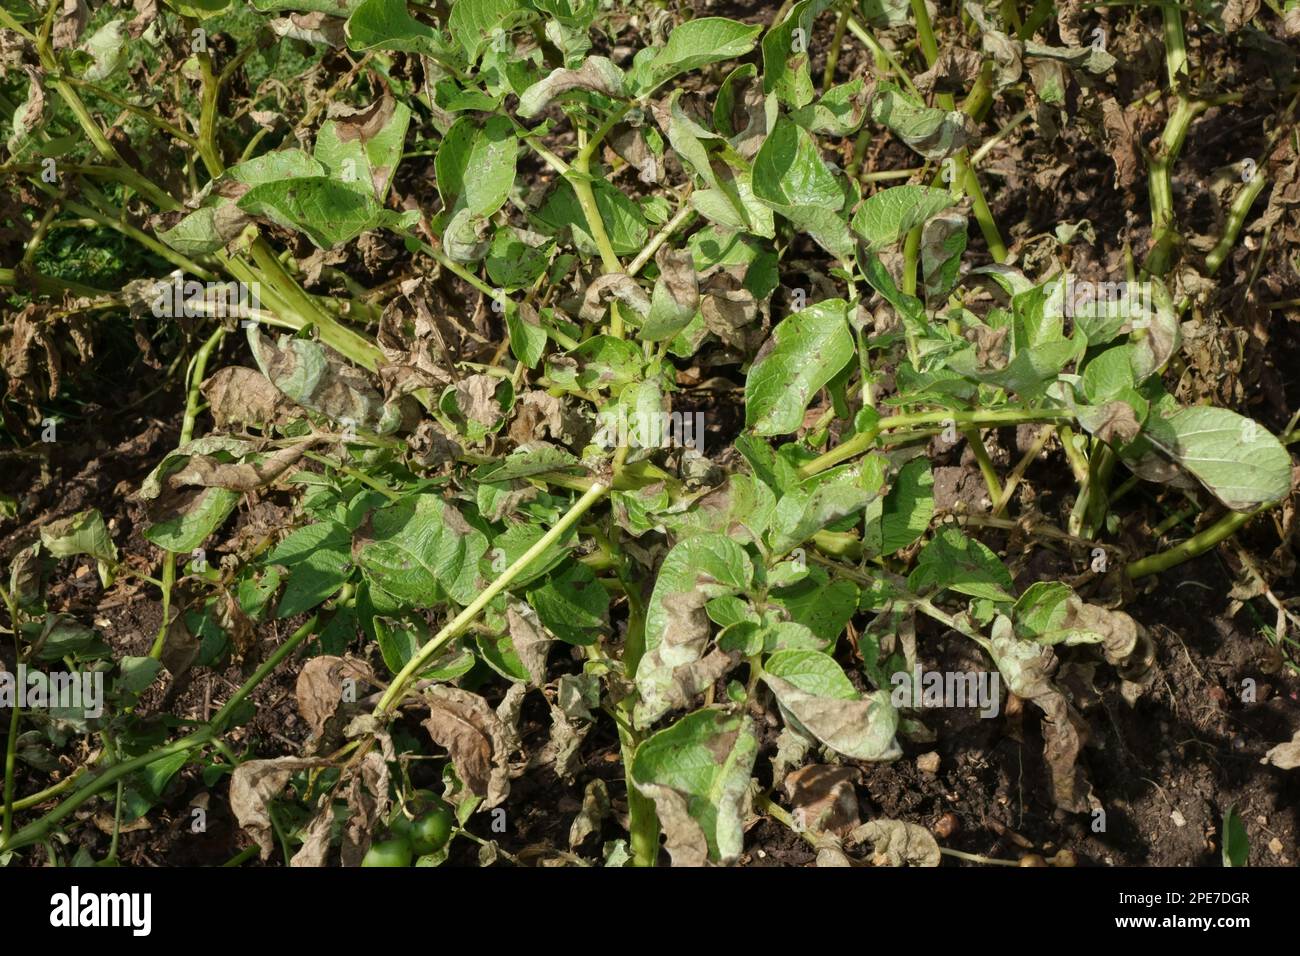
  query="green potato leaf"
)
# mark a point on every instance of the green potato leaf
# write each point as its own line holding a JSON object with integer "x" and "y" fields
{"x": 805, "y": 352}
{"x": 691, "y": 45}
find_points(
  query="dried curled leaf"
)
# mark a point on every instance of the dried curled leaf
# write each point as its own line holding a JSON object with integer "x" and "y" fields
{"x": 613, "y": 286}
{"x": 897, "y": 843}
{"x": 243, "y": 396}
{"x": 1285, "y": 756}
{"x": 530, "y": 641}
{"x": 323, "y": 685}
{"x": 254, "y": 784}
{"x": 472, "y": 734}
{"x": 1028, "y": 669}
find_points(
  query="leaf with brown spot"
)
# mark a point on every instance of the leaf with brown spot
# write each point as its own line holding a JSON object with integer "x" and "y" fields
{"x": 69, "y": 22}
{"x": 316, "y": 839}
{"x": 697, "y": 772}
{"x": 243, "y": 396}
{"x": 955, "y": 71}
{"x": 367, "y": 805}
{"x": 179, "y": 648}
{"x": 204, "y": 471}
{"x": 310, "y": 28}
{"x": 595, "y": 808}
{"x": 598, "y": 74}
{"x": 1028, "y": 668}
{"x": 823, "y": 797}
{"x": 676, "y": 296}
{"x": 530, "y": 641}
{"x": 1122, "y": 143}
{"x": 616, "y": 285}
{"x": 477, "y": 398}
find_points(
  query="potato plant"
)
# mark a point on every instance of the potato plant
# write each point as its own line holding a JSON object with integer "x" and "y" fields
{"x": 601, "y": 374}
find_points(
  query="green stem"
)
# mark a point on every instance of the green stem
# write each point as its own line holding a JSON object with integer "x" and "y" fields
{"x": 1236, "y": 219}
{"x": 925, "y": 32}
{"x": 881, "y": 53}
{"x": 985, "y": 463}
{"x": 45, "y": 285}
{"x": 454, "y": 267}
{"x": 1160, "y": 183}
{"x": 579, "y": 177}
{"x": 1175, "y": 42}
{"x": 662, "y": 236}
{"x": 26, "y": 803}
{"x": 837, "y": 42}
{"x": 457, "y": 626}
{"x": 862, "y": 441}
{"x": 11, "y": 765}
{"x": 1037, "y": 17}
{"x": 333, "y": 333}
{"x": 208, "y": 119}
{"x": 1078, "y": 463}
{"x": 192, "y": 398}
{"x": 11, "y": 743}
{"x": 1194, "y": 546}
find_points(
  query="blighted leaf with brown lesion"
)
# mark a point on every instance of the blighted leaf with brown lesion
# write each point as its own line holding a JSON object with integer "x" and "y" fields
{"x": 677, "y": 629}
{"x": 466, "y": 726}
{"x": 898, "y": 843}
{"x": 324, "y": 685}
{"x": 676, "y": 296}
{"x": 823, "y": 798}
{"x": 243, "y": 396}
{"x": 697, "y": 772}
{"x": 815, "y": 694}
{"x": 530, "y": 641}
{"x": 363, "y": 146}
{"x": 1028, "y": 668}
{"x": 597, "y": 74}
{"x": 316, "y": 377}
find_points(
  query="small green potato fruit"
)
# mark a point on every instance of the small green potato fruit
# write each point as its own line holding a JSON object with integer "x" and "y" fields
{"x": 395, "y": 852}
{"x": 430, "y": 831}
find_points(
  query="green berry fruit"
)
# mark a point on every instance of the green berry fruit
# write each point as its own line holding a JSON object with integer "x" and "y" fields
{"x": 395, "y": 852}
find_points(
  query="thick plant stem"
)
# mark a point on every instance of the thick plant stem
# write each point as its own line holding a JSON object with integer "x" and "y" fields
{"x": 579, "y": 177}
{"x": 11, "y": 759}
{"x": 337, "y": 336}
{"x": 38, "y": 830}
{"x": 1160, "y": 184}
{"x": 1236, "y": 219}
{"x": 985, "y": 463}
{"x": 643, "y": 827}
{"x": 457, "y": 625}
{"x": 1193, "y": 547}
{"x": 862, "y": 441}
{"x": 925, "y": 32}
{"x": 1175, "y": 42}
